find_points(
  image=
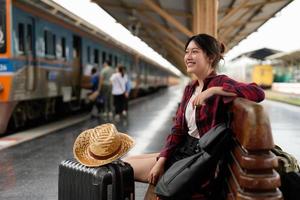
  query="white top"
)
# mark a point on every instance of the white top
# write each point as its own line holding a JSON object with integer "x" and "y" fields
{"x": 190, "y": 114}
{"x": 118, "y": 84}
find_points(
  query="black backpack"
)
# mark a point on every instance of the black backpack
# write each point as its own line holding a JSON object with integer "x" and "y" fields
{"x": 288, "y": 169}
{"x": 186, "y": 175}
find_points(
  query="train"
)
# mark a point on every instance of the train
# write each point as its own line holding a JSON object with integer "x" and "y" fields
{"x": 46, "y": 53}
{"x": 263, "y": 75}
{"x": 249, "y": 71}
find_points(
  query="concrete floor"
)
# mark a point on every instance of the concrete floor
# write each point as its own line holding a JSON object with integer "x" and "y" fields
{"x": 285, "y": 124}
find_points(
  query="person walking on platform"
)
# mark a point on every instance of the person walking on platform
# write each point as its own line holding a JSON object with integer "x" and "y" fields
{"x": 204, "y": 104}
{"x": 94, "y": 86}
{"x": 118, "y": 90}
{"x": 105, "y": 87}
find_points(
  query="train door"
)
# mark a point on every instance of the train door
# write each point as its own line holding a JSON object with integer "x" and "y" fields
{"x": 77, "y": 69}
{"x": 30, "y": 54}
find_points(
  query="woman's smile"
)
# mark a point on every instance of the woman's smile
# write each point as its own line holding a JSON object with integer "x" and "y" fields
{"x": 190, "y": 63}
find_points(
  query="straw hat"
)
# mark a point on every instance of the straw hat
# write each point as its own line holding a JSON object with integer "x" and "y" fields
{"x": 101, "y": 145}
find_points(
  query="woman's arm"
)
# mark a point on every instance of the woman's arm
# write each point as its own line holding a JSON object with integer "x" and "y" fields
{"x": 230, "y": 89}
{"x": 249, "y": 91}
{"x": 203, "y": 96}
{"x": 177, "y": 132}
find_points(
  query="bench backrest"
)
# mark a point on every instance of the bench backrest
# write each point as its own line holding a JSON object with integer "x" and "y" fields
{"x": 251, "y": 167}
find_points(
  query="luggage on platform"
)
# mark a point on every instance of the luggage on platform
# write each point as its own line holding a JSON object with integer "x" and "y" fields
{"x": 113, "y": 181}
{"x": 290, "y": 185}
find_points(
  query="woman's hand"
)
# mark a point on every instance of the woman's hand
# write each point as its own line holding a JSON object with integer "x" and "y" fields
{"x": 157, "y": 171}
{"x": 203, "y": 96}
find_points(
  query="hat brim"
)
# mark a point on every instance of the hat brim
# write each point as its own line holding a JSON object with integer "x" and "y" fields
{"x": 82, "y": 155}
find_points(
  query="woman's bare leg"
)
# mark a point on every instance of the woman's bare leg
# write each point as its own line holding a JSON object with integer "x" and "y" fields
{"x": 141, "y": 164}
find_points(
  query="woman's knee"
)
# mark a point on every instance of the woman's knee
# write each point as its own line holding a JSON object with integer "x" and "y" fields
{"x": 142, "y": 165}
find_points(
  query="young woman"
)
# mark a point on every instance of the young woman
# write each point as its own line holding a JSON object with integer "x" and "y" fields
{"x": 118, "y": 82}
{"x": 204, "y": 104}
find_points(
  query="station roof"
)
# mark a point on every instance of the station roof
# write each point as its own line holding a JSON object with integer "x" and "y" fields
{"x": 293, "y": 56}
{"x": 259, "y": 54}
{"x": 157, "y": 25}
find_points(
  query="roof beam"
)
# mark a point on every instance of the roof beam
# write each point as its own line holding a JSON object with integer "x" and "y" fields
{"x": 174, "y": 54}
{"x": 232, "y": 12}
{"x": 152, "y": 40}
{"x": 252, "y": 4}
{"x": 244, "y": 5}
{"x": 174, "y": 48}
{"x": 165, "y": 31}
{"x": 239, "y": 23}
{"x": 140, "y": 7}
{"x": 168, "y": 17}
{"x": 173, "y": 44}
{"x": 178, "y": 59}
{"x": 230, "y": 30}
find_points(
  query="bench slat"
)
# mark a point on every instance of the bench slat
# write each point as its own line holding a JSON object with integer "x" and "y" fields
{"x": 236, "y": 193}
{"x": 257, "y": 182}
{"x": 259, "y": 160}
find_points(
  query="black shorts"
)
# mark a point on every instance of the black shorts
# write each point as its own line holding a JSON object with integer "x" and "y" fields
{"x": 187, "y": 148}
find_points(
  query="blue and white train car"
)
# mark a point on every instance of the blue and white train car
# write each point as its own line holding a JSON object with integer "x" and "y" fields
{"x": 46, "y": 54}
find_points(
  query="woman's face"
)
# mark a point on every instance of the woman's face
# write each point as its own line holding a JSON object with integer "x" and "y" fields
{"x": 196, "y": 61}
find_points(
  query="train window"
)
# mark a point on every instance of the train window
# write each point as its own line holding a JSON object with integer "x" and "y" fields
{"x": 110, "y": 58}
{"x": 103, "y": 56}
{"x": 46, "y": 42}
{"x": 54, "y": 44}
{"x": 96, "y": 56}
{"x": 131, "y": 66}
{"x": 88, "y": 51}
{"x": 3, "y": 35}
{"x": 116, "y": 60}
{"x": 21, "y": 37}
{"x": 29, "y": 37}
{"x": 63, "y": 47}
{"x": 50, "y": 41}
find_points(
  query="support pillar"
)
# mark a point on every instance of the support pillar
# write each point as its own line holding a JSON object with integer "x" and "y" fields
{"x": 205, "y": 17}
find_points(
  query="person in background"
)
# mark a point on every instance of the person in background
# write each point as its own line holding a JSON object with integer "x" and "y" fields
{"x": 205, "y": 104}
{"x": 105, "y": 87}
{"x": 127, "y": 92}
{"x": 98, "y": 103}
{"x": 94, "y": 79}
{"x": 118, "y": 82}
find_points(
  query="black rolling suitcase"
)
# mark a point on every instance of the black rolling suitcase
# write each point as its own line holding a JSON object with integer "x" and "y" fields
{"x": 113, "y": 181}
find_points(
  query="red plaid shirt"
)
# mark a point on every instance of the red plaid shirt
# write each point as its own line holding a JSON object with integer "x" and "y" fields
{"x": 213, "y": 112}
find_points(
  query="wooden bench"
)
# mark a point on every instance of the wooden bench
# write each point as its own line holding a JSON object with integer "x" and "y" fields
{"x": 251, "y": 174}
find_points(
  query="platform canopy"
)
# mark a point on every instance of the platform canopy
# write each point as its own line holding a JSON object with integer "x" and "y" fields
{"x": 259, "y": 54}
{"x": 165, "y": 25}
{"x": 293, "y": 56}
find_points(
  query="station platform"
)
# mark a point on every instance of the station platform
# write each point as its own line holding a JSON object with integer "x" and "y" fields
{"x": 29, "y": 170}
